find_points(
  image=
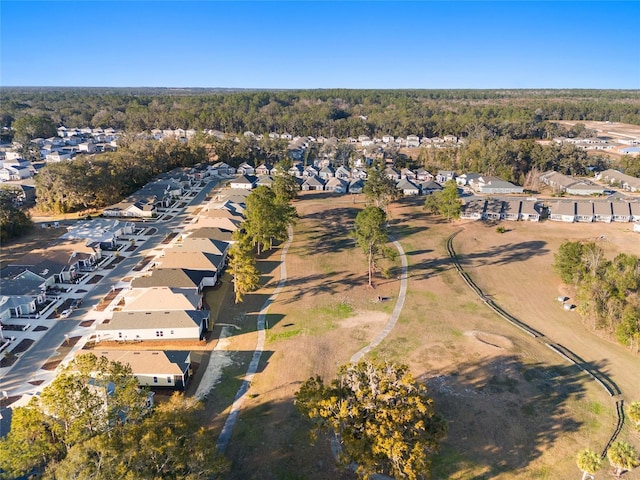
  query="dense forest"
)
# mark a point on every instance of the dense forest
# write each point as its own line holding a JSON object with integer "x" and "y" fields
{"x": 514, "y": 113}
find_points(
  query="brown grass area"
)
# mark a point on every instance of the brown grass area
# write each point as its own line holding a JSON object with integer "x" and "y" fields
{"x": 38, "y": 238}
{"x": 515, "y": 409}
{"x": 61, "y": 353}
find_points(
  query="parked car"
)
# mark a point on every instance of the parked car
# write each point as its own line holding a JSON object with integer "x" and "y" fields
{"x": 66, "y": 313}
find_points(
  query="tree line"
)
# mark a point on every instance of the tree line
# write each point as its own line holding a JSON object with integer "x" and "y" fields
{"x": 95, "y": 181}
{"x": 607, "y": 290}
{"x": 340, "y": 113}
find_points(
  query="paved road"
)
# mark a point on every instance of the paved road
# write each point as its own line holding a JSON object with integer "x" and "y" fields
{"x": 27, "y": 367}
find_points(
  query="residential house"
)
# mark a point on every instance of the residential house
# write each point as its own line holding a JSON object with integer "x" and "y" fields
{"x": 221, "y": 169}
{"x": 153, "y": 299}
{"x": 209, "y": 233}
{"x": 621, "y": 211}
{"x": 296, "y": 170}
{"x": 246, "y": 169}
{"x": 210, "y": 262}
{"x": 392, "y": 173}
{"x": 562, "y": 212}
{"x": 635, "y": 211}
{"x": 343, "y": 173}
{"x": 603, "y": 212}
{"x": 326, "y": 173}
{"x": 154, "y": 325}
{"x": 264, "y": 169}
{"x": 310, "y": 171}
{"x": 408, "y": 174}
{"x": 473, "y": 209}
{"x": 493, "y": 209}
{"x": 356, "y": 186}
{"x": 245, "y": 182}
{"x": 264, "y": 180}
{"x": 407, "y": 187}
{"x": 14, "y": 172}
{"x": 313, "y": 183}
{"x": 444, "y": 176}
{"x": 413, "y": 141}
{"x": 494, "y": 185}
{"x": 155, "y": 368}
{"x": 584, "y": 188}
{"x": 467, "y": 179}
{"x": 614, "y": 177}
{"x": 450, "y": 139}
{"x": 102, "y": 233}
{"x": 423, "y": 175}
{"x": 336, "y": 185}
{"x": 530, "y": 211}
{"x": 23, "y": 293}
{"x": 176, "y": 278}
{"x": 584, "y": 212}
{"x": 201, "y": 221}
{"x": 388, "y": 139}
{"x": 511, "y": 210}
{"x": 57, "y": 156}
{"x": 429, "y": 187}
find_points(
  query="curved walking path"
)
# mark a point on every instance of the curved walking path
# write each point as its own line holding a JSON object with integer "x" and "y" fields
{"x": 229, "y": 424}
{"x": 396, "y": 311}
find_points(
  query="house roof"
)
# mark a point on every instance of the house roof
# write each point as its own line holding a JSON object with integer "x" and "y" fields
{"x": 212, "y": 232}
{"x": 602, "y": 208}
{"x": 149, "y": 362}
{"x": 511, "y": 207}
{"x": 191, "y": 259}
{"x": 154, "y": 319}
{"x": 563, "y": 208}
{"x": 23, "y": 283}
{"x": 530, "y": 208}
{"x": 405, "y": 184}
{"x": 172, "y": 278}
{"x": 244, "y": 180}
{"x": 314, "y": 180}
{"x": 161, "y": 299}
{"x": 200, "y": 244}
{"x": 621, "y": 208}
{"x": 584, "y": 208}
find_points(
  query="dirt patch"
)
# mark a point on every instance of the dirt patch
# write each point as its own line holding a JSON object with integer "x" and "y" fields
{"x": 40, "y": 328}
{"x": 95, "y": 279}
{"x": 169, "y": 237}
{"x": 38, "y": 237}
{"x": 142, "y": 263}
{"x": 490, "y": 339}
{"x": 86, "y": 323}
{"x": 9, "y": 358}
{"x": 104, "y": 303}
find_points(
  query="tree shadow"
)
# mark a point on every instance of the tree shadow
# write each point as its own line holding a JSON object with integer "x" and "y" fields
{"x": 504, "y": 414}
{"x": 298, "y": 288}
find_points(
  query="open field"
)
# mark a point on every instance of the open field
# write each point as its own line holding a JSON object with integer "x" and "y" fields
{"x": 516, "y": 410}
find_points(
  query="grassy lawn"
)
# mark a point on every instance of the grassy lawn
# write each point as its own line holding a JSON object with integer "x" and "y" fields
{"x": 515, "y": 409}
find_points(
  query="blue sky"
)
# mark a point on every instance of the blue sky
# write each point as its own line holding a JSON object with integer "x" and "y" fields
{"x": 327, "y": 44}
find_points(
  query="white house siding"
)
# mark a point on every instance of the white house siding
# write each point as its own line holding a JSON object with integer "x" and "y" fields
{"x": 133, "y": 334}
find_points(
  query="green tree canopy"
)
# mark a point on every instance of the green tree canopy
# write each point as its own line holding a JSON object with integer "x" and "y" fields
{"x": 371, "y": 234}
{"x": 568, "y": 261}
{"x": 446, "y": 202}
{"x": 14, "y": 222}
{"x": 379, "y": 189}
{"x": 242, "y": 266}
{"x": 384, "y": 419}
{"x": 33, "y": 126}
{"x": 268, "y": 217}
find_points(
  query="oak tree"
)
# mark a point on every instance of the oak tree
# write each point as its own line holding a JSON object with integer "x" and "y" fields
{"x": 383, "y": 419}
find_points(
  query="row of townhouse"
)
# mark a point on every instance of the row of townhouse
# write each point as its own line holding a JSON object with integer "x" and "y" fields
{"x": 166, "y": 302}
{"x": 608, "y": 143}
{"x": 494, "y": 209}
{"x": 594, "y": 211}
{"x": 157, "y": 194}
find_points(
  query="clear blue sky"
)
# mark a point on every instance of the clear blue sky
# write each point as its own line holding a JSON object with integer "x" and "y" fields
{"x": 545, "y": 44}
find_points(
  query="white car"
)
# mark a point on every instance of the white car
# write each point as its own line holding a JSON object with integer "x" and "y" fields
{"x": 66, "y": 313}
